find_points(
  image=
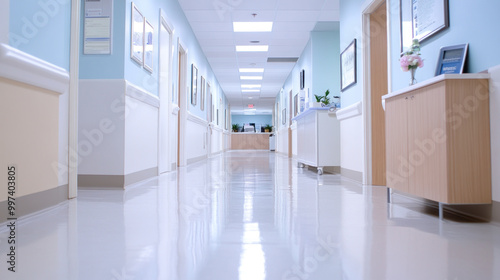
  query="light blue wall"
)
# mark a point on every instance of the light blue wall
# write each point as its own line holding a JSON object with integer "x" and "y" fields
{"x": 106, "y": 66}
{"x": 325, "y": 63}
{"x": 119, "y": 65}
{"x": 473, "y": 22}
{"x": 42, "y": 28}
{"x": 350, "y": 29}
{"x": 257, "y": 119}
{"x": 320, "y": 60}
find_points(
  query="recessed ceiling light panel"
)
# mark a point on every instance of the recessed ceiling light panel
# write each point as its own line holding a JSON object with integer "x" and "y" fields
{"x": 250, "y": 90}
{"x": 251, "y": 70}
{"x": 251, "y": 77}
{"x": 252, "y": 48}
{"x": 251, "y": 86}
{"x": 258, "y": 26}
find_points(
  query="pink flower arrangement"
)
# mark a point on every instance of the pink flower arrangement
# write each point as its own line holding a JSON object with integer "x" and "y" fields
{"x": 409, "y": 61}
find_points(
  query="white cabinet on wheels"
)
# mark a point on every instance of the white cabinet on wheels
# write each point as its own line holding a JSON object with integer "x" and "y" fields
{"x": 318, "y": 139}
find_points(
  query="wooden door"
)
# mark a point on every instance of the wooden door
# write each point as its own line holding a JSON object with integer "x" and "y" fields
{"x": 378, "y": 62}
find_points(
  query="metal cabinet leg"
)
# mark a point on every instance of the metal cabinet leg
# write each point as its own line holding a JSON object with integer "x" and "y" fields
{"x": 320, "y": 170}
{"x": 300, "y": 165}
{"x": 389, "y": 196}
{"x": 440, "y": 211}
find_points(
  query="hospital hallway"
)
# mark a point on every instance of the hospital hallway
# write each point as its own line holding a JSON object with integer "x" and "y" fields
{"x": 250, "y": 215}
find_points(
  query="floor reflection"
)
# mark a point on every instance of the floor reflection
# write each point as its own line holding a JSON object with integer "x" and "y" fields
{"x": 249, "y": 215}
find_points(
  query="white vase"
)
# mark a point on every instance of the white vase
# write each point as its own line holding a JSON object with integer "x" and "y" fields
{"x": 412, "y": 79}
{"x": 316, "y": 104}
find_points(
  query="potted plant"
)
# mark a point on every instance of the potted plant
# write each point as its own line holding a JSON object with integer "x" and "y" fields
{"x": 268, "y": 128}
{"x": 322, "y": 100}
{"x": 235, "y": 127}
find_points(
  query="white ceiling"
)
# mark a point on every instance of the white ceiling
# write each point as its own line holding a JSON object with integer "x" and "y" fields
{"x": 212, "y": 22}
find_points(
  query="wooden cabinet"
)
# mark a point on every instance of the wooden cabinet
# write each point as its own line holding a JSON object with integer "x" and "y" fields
{"x": 318, "y": 139}
{"x": 438, "y": 139}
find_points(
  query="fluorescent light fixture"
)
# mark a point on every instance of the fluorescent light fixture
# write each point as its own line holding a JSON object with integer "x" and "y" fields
{"x": 251, "y": 86}
{"x": 251, "y": 70}
{"x": 249, "y": 111}
{"x": 250, "y": 90}
{"x": 251, "y": 77}
{"x": 259, "y": 26}
{"x": 250, "y": 48}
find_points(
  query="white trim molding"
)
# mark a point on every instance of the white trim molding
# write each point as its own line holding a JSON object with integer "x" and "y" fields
{"x": 196, "y": 119}
{"x": 22, "y": 67}
{"x": 353, "y": 110}
{"x": 140, "y": 94}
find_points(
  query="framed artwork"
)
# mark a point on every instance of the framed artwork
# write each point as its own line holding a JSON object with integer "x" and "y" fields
{"x": 202, "y": 93}
{"x": 137, "y": 35}
{"x": 217, "y": 116}
{"x": 194, "y": 84}
{"x": 348, "y": 66}
{"x": 148, "y": 46}
{"x": 283, "y": 116}
{"x": 421, "y": 19}
{"x": 302, "y": 78}
{"x": 451, "y": 59}
{"x": 296, "y": 105}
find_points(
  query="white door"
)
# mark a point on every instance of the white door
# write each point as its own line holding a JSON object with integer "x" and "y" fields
{"x": 165, "y": 68}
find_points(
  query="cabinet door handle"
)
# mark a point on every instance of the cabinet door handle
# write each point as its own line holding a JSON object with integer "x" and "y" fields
{"x": 412, "y": 97}
{"x": 406, "y": 98}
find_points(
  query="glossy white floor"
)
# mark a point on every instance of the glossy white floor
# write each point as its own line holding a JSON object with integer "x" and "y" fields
{"x": 249, "y": 215}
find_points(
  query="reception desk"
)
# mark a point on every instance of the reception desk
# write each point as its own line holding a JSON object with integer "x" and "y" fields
{"x": 249, "y": 141}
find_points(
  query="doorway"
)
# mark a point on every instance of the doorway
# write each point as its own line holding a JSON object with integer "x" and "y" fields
{"x": 165, "y": 95}
{"x": 378, "y": 86}
{"x": 182, "y": 102}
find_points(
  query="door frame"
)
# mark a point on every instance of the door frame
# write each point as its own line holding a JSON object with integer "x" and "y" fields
{"x": 369, "y": 6}
{"x": 182, "y": 91}
{"x": 164, "y": 164}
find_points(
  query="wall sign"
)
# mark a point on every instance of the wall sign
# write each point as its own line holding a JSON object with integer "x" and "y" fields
{"x": 97, "y": 26}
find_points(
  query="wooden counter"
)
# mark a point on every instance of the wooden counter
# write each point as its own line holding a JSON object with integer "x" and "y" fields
{"x": 249, "y": 141}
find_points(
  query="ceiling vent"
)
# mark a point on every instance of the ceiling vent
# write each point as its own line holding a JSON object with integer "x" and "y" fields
{"x": 283, "y": 59}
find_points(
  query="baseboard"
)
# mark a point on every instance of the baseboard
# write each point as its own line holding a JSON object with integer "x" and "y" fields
{"x": 484, "y": 212}
{"x": 140, "y": 175}
{"x": 35, "y": 202}
{"x": 196, "y": 159}
{"x": 332, "y": 169}
{"x": 351, "y": 174}
{"x": 86, "y": 181}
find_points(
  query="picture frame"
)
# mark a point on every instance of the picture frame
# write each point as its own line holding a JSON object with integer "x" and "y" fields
{"x": 348, "y": 66}
{"x": 302, "y": 78}
{"x": 194, "y": 84}
{"x": 283, "y": 116}
{"x": 148, "y": 46}
{"x": 137, "y": 35}
{"x": 296, "y": 105}
{"x": 202, "y": 93}
{"x": 452, "y": 59}
{"x": 415, "y": 26}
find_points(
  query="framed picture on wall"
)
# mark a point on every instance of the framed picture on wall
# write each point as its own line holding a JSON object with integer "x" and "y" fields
{"x": 202, "y": 93}
{"x": 348, "y": 66}
{"x": 148, "y": 46}
{"x": 421, "y": 19}
{"x": 302, "y": 78}
{"x": 137, "y": 35}
{"x": 283, "y": 116}
{"x": 194, "y": 84}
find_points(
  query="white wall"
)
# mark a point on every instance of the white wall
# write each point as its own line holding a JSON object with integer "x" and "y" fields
{"x": 351, "y": 137}
{"x": 118, "y": 128}
{"x": 141, "y": 136}
{"x": 196, "y": 138}
{"x": 495, "y": 130}
{"x": 101, "y": 101}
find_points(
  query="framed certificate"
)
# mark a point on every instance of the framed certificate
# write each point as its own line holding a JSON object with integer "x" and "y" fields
{"x": 421, "y": 19}
{"x": 452, "y": 59}
{"x": 148, "y": 46}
